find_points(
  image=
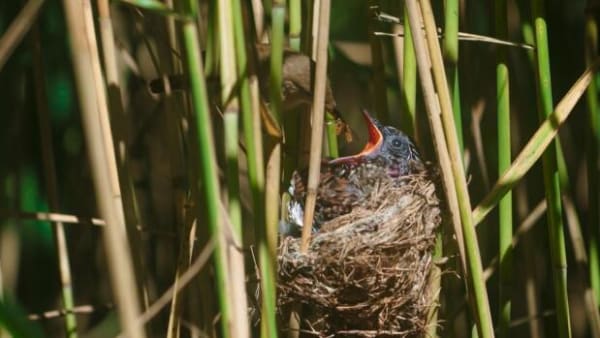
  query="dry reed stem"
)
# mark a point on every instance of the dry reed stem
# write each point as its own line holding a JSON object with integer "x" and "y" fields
{"x": 17, "y": 29}
{"x": 184, "y": 279}
{"x": 318, "y": 116}
{"x": 90, "y": 86}
{"x": 51, "y": 217}
{"x": 470, "y": 237}
{"x": 435, "y": 124}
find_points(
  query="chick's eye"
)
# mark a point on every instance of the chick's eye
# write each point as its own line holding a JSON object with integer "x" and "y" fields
{"x": 397, "y": 143}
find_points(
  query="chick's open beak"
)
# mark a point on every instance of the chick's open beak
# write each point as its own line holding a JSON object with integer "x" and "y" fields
{"x": 373, "y": 144}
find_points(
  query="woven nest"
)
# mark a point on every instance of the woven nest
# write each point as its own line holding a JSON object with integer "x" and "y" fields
{"x": 366, "y": 274}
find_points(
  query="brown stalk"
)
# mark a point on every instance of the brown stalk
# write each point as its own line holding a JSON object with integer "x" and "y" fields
{"x": 183, "y": 280}
{"x": 50, "y": 217}
{"x": 94, "y": 110}
{"x": 480, "y": 297}
{"x": 433, "y": 114}
{"x": 119, "y": 130}
{"x": 318, "y": 113}
{"x": 18, "y": 28}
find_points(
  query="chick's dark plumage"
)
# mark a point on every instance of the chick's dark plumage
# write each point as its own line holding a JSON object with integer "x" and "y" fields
{"x": 347, "y": 182}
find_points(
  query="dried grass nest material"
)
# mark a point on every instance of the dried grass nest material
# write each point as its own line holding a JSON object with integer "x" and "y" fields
{"x": 366, "y": 274}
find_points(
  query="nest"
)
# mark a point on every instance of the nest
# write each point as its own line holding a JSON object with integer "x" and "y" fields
{"x": 366, "y": 273}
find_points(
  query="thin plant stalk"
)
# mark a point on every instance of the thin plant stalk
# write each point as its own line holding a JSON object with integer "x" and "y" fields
{"x": 592, "y": 143}
{"x": 434, "y": 289}
{"x": 306, "y": 39}
{"x": 476, "y": 283}
{"x": 435, "y": 123}
{"x": 295, "y": 15}
{"x": 318, "y": 111}
{"x": 505, "y": 214}
{"x": 50, "y": 177}
{"x": 296, "y": 132}
{"x": 331, "y": 132}
{"x": 268, "y": 232}
{"x": 409, "y": 82}
{"x": 266, "y": 254}
{"x": 577, "y": 243}
{"x": 536, "y": 146}
{"x": 450, "y": 48}
{"x": 173, "y": 114}
{"x": 173, "y": 38}
{"x": 211, "y": 48}
{"x": 108, "y": 45}
{"x": 229, "y": 77}
{"x": 258, "y": 12}
{"x": 558, "y": 253}
{"x": 14, "y": 34}
{"x": 378, "y": 77}
{"x": 117, "y": 117}
{"x": 252, "y": 132}
{"x": 451, "y": 54}
{"x": 92, "y": 98}
{"x": 209, "y": 185}
{"x": 532, "y": 300}
{"x": 398, "y": 44}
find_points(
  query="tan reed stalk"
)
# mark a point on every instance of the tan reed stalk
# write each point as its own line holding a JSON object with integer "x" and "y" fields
{"x": 317, "y": 118}
{"x": 229, "y": 77}
{"x": 479, "y": 291}
{"x": 92, "y": 98}
{"x": 18, "y": 28}
{"x": 118, "y": 126}
{"x": 452, "y": 171}
{"x": 435, "y": 123}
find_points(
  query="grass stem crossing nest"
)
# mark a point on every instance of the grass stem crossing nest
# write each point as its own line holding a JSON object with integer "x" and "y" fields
{"x": 366, "y": 273}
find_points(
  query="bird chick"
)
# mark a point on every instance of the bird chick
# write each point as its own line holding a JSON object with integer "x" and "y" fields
{"x": 347, "y": 182}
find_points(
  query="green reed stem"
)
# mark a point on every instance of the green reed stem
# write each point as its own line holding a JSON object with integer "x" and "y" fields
{"x": 409, "y": 81}
{"x": 536, "y": 146}
{"x": 505, "y": 222}
{"x": 208, "y": 172}
{"x": 212, "y": 47}
{"x": 551, "y": 177}
{"x": 256, "y": 173}
{"x": 592, "y": 143}
{"x": 295, "y": 22}
{"x": 331, "y": 130}
{"x": 450, "y": 45}
{"x": 268, "y": 234}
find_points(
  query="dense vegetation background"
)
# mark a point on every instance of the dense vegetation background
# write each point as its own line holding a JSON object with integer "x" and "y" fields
{"x": 159, "y": 156}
